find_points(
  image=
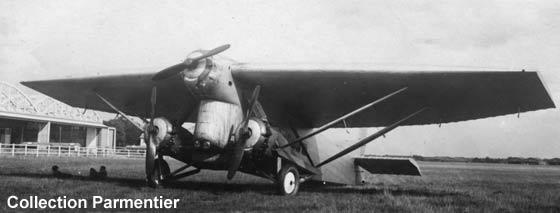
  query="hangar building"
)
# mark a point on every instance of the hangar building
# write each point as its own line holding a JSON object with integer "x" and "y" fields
{"x": 40, "y": 119}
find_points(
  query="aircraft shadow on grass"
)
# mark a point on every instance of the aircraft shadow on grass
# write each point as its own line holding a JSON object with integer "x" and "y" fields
{"x": 264, "y": 188}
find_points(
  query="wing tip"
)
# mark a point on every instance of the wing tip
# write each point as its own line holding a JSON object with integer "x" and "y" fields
{"x": 34, "y": 85}
{"x": 28, "y": 84}
{"x": 546, "y": 90}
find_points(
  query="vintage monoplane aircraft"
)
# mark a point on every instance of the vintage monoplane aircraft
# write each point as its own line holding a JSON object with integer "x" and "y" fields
{"x": 265, "y": 120}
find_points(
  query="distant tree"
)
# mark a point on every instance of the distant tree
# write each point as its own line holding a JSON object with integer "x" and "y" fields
{"x": 553, "y": 161}
{"x": 418, "y": 157}
{"x": 127, "y": 134}
{"x": 515, "y": 160}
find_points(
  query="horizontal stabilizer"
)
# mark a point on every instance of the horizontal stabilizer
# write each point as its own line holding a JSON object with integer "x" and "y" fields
{"x": 387, "y": 165}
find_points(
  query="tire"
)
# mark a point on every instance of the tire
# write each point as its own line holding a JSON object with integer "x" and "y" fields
{"x": 288, "y": 180}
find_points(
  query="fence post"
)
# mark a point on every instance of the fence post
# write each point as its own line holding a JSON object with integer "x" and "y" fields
{"x": 13, "y": 149}
{"x": 78, "y": 153}
{"x": 58, "y": 151}
{"x": 37, "y": 150}
{"x": 87, "y": 152}
{"x": 25, "y": 152}
{"x": 128, "y": 153}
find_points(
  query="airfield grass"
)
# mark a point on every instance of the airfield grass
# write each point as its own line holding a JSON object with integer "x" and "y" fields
{"x": 444, "y": 187}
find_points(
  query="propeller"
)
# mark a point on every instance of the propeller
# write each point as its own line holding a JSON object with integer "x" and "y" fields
{"x": 244, "y": 134}
{"x": 150, "y": 134}
{"x": 149, "y": 138}
{"x": 175, "y": 69}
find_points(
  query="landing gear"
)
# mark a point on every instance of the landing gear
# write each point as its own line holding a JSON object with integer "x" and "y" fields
{"x": 160, "y": 175}
{"x": 288, "y": 180}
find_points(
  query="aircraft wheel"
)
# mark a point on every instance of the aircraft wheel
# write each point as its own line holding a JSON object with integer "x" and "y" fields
{"x": 288, "y": 180}
{"x": 160, "y": 174}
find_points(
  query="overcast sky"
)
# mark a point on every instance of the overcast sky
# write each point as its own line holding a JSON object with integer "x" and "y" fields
{"x": 49, "y": 39}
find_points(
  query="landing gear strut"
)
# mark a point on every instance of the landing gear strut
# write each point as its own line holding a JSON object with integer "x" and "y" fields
{"x": 288, "y": 180}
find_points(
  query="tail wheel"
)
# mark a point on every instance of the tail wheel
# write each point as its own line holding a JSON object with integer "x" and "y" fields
{"x": 288, "y": 180}
{"x": 161, "y": 172}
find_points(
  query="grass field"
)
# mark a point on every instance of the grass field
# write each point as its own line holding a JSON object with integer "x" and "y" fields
{"x": 444, "y": 187}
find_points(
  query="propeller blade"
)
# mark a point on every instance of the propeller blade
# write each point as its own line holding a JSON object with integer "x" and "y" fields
{"x": 175, "y": 69}
{"x": 211, "y": 52}
{"x": 170, "y": 71}
{"x": 153, "y": 99}
{"x": 253, "y": 101}
{"x": 150, "y": 155}
{"x": 149, "y": 138}
{"x": 251, "y": 106}
{"x": 237, "y": 154}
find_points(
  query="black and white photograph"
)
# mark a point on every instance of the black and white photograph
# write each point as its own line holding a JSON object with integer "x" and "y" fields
{"x": 279, "y": 106}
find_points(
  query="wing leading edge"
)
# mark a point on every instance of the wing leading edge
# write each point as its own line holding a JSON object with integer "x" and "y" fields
{"x": 313, "y": 97}
{"x": 129, "y": 93}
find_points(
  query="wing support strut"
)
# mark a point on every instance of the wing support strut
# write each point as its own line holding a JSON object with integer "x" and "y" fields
{"x": 369, "y": 139}
{"x": 141, "y": 128}
{"x": 332, "y": 123}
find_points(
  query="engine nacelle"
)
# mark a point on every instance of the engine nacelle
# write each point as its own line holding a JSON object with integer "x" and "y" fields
{"x": 164, "y": 129}
{"x": 215, "y": 124}
{"x": 219, "y": 109}
{"x": 259, "y": 132}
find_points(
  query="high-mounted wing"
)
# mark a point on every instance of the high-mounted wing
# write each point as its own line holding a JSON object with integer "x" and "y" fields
{"x": 129, "y": 93}
{"x": 313, "y": 97}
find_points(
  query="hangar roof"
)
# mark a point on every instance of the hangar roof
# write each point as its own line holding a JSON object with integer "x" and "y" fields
{"x": 16, "y": 104}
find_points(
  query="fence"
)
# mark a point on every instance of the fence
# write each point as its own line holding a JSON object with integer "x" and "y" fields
{"x": 69, "y": 151}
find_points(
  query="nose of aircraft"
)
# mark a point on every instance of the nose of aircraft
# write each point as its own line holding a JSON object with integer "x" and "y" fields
{"x": 191, "y": 61}
{"x": 192, "y": 73}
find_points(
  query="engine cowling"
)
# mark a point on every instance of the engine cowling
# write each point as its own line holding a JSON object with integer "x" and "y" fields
{"x": 259, "y": 132}
{"x": 164, "y": 130}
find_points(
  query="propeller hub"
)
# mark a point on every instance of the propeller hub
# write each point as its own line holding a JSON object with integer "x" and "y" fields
{"x": 254, "y": 132}
{"x": 153, "y": 130}
{"x": 194, "y": 68}
{"x": 161, "y": 129}
{"x": 190, "y": 63}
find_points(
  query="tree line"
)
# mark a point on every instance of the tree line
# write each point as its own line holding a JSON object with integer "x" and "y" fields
{"x": 508, "y": 160}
